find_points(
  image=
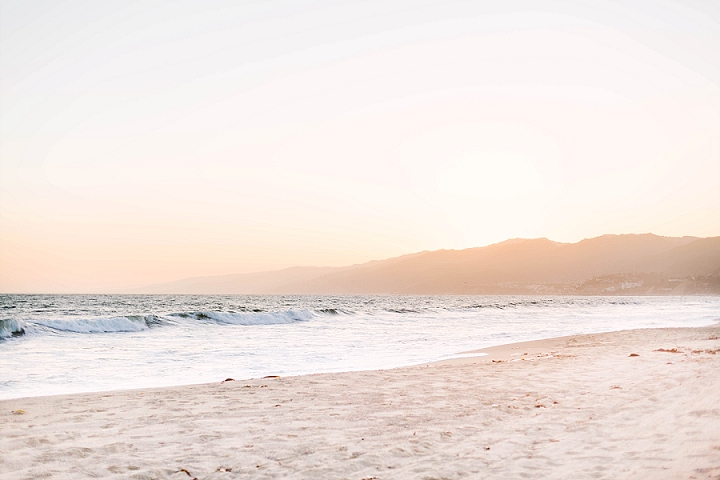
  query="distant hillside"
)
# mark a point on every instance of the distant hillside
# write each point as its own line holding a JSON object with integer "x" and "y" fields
{"x": 610, "y": 264}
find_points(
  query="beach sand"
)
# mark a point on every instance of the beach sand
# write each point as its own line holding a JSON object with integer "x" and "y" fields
{"x": 574, "y": 407}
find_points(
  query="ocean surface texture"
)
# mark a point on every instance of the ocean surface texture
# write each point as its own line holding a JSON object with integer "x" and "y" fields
{"x": 51, "y": 344}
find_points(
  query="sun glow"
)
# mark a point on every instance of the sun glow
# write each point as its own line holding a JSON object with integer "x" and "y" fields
{"x": 141, "y": 145}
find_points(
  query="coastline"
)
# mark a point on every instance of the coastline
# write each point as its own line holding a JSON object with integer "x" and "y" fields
{"x": 568, "y": 407}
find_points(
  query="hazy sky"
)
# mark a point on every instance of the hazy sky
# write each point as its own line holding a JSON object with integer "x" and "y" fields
{"x": 150, "y": 141}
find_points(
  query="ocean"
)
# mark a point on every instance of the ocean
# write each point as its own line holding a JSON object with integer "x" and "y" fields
{"x": 55, "y": 344}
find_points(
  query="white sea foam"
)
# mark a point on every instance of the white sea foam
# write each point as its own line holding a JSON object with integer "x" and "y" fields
{"x": 96, "y": 325}
{"x": 253, "y": 336}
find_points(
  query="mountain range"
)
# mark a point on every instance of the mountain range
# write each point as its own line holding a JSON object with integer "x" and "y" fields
{"x": 632, "y": 264}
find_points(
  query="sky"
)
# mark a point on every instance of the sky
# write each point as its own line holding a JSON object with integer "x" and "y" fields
{"x": 143, "y": 142}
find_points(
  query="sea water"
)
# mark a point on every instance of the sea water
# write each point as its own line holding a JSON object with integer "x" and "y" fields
{"x": 52, "y": 344}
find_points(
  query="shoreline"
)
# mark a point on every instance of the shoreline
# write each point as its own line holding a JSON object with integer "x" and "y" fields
{"x": 497, "y": 353}
{"x": 567, "y": 407}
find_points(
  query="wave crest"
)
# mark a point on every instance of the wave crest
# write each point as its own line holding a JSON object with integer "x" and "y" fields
{"x": 129, "y": 323}
{"x": 241, "y": 318}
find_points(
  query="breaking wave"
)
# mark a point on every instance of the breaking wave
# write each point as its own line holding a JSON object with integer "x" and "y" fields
{"x": 137, "y": 323}
{"x": 11, "y": 328}
{"x": 261, "y": 318}
{"x": 129, "y": 323}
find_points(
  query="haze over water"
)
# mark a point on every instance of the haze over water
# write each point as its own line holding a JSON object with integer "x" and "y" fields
{"x": 146, "y": 142}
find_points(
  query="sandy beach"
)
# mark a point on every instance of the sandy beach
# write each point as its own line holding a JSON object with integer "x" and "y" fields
{"x": 631, "y": 404}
